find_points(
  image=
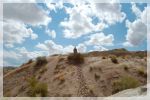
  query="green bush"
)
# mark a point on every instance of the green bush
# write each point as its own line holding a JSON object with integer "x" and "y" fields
{"x": 40, "y": 61}
{"x": 114, "y": 60}
{"x": 125, "y": 82}
{"x": 37, "y": 88}
{"x": 76, "y": 58}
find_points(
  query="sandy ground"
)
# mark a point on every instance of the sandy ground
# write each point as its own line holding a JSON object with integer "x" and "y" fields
{"x": 93, "y": 78}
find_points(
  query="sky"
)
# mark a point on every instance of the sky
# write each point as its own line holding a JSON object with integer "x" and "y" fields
{"x": 41, "y": 29}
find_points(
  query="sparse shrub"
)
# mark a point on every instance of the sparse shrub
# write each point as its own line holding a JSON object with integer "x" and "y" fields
{"x": 36, "y": 88}
{"x": 90, "y": 69}
{"x": 62, "y": 80}
{"x": 61, "y": 59}
{"x": 114, "y": 60}
{"x": 96, "y": 77}
{"x": 76, "y": 58}
{"x": 142, "y": 72}
{"x": 125, "y": 82}
{"x": 41, "y": 88}
{"x": 43, "y": 70}
{"x": 30, "y": 61}
{"x": 103, "y": 57}
{"x": 143, "y": 89}
{"x": 100, "y": 69}
{"x": 40, "y": 61}
{"x": 55, "y": 55}
{"x": 92, "y": 93}
{"x": 125, "y": 67}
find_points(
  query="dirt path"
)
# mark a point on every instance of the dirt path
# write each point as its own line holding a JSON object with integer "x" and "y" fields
{"x": 83, "y": 90}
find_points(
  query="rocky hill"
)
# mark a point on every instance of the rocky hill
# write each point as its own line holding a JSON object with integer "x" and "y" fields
{"x": 101, "y": 74}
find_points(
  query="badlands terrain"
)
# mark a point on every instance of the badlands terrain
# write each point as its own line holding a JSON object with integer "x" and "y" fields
{"x": 101, "y": 74}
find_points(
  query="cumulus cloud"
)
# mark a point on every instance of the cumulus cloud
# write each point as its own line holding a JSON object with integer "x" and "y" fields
{"x": 136, "y": 33}
{"x": 100, "y": 48}
{"x": 81, "y": 16}
{"x": 19, "y": 56}
{"x": 15, "y": 32}
{"x": 81, "y": 48}
{"x": 53, "y": 48}
{"x": 51, "y": 33}
{"x": 54, "y": 5}
{"x": 17, "y": 19}
{"x": 137, "y": 30}
{"x": 100, "y": 39}
{"x": 50, "y": 46}
{"x": 28, "y": 13}
{"x": 78, "y": 23}
{"x": 136, "y": 10}
{"x": 19, "y": 1}
{"x": 109, "y": 12}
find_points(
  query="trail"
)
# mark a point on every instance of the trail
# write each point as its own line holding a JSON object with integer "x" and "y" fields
{"x": 83, "y": 90}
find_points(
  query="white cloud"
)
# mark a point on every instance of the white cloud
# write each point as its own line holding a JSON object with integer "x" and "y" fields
{"x": 20, "y": 55}
{"x": 81, "y": 48}
{"x": 136, "y": 10}
{"x": 137, "y": 30}
{"x": 42, "y": 46}
{"x": 51, "y": 33}
{"x": 53, "y": 48}
{"x": 100, "y": 39}
{"x": 109, "y": 12}
{"x": 81, "y": 16}
{"x": 78, "y": 23}
{"x": 15, "y": 32}
{"x": 145, "y": 15}
{"x": 19, "y": 1}
{"x": 28, "y": 13}
{"x": 50, "y": 46}
{"x": 54, "y": 5}
{"x": 100, "y": 48}
{"x": 68, "y": 49}
{"x": 34, "y": 36}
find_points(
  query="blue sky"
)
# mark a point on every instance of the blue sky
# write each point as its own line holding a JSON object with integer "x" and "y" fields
{"x": 46, "y": 29}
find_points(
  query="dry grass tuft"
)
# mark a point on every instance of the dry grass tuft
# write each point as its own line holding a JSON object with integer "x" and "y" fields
{"x": 114, "y": 60}
{"x": 96, "y": 76}
{"x": 40, "y": 61}
{"x": 103, "y": 57}
{"x": 142, "y": 72}
{"x": 43, "y": 70}
{"x": 37, "y": 88}
{"x": 60, "y": 77}
{"x": 76, "y": 58}
{"x": 125, "y": 82}
{"x": 126, "y": 68}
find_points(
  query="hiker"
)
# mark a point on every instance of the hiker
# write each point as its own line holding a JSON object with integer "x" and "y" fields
{"x": 75, "y": 50}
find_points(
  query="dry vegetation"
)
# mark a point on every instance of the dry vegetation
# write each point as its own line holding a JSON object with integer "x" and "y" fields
{"x": 40, "y": 61}
{"x": 126, "y": 82}
{"x": 76, "y": 58}
{"x": 114, "y": 59}
{"x": 36, "y": 88}
{"x": 105, "y": 73}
